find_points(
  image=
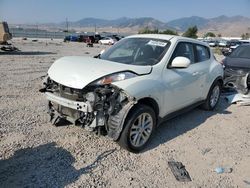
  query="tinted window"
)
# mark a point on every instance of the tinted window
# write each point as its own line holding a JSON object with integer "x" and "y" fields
{"x": 202, "y": 53}
{"x": 184, "y": 50}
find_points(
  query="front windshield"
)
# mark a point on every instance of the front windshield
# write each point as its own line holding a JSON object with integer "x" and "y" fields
{"x": 241, "y": 52}
{"x": 137, "y": 51}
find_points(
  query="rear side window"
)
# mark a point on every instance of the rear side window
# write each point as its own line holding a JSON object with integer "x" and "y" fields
{"x": 202, "y": 53}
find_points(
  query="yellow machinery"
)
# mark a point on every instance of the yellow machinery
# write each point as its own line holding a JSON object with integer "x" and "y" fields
{"x": 5, "y": 35}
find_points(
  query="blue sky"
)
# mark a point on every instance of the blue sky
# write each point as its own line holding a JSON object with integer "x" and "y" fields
{"x": 44, "y": 11}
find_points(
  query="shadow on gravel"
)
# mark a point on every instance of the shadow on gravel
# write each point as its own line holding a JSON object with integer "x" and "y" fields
{"x": 183, "y": 123}
{"x": 44, "y": 166}
{"x": 27, "y": 53}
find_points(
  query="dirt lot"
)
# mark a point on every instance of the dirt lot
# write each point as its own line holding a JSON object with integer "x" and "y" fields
{"x": 33, "y": 153}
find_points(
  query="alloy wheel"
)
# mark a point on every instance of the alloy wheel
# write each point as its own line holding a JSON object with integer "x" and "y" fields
{"x": 141, "y": 129}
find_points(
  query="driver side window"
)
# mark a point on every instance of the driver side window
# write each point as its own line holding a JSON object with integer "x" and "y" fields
{"x": 184, "y": 49}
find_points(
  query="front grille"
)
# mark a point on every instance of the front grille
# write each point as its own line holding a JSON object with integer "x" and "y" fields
{"x": 71, "y": 93}
{"x": 67, "y": 92}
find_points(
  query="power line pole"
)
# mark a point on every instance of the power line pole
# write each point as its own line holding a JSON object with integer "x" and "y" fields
{"x": 67, "y": 25}
{"x": 36, "y": 30}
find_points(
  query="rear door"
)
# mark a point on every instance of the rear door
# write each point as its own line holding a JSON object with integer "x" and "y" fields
{"x": 201, "y": 67}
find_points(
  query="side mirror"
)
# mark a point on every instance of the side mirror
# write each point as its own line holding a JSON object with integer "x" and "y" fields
{"x": 101, "y": 52}
{"x": 180, "y": 62}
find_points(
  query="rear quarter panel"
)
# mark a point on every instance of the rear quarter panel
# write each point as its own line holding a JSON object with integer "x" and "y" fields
{"x": 215, "y": 71}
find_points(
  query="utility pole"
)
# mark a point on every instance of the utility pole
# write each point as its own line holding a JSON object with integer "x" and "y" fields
{"x": 36, "y": 30}
{"x": 67, "y": 25}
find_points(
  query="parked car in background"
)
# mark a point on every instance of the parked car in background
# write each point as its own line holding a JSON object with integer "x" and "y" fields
{"x": 134, "y": 86}
{"x": 71, "y": 38}
{"x": 234, "y": 44}
{"x": 231, "y": 46}
{"x": 245, "y": 41}
{"x": 116, "y": 37}
{"x": 86, "y": 38}
{"x": 212, "y": 43}
{"x": 107, "y": 40}
{"x": 223, "y": 43}
{"x": 237, "y": 68}
{"x": 97, "y": 38}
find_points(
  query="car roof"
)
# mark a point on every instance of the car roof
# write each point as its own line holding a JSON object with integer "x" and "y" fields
{"x": 245, "y": 44}
{"x": 168, "y": 37}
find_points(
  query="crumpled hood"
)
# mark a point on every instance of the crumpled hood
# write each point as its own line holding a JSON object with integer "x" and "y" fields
{"x": 77, "y": 72}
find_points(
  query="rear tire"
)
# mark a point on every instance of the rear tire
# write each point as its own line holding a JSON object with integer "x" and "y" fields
{"x": 138, "y": 128}
{"x": 213, "y": 96}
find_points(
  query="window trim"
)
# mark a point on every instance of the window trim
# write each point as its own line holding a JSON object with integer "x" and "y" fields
{"x": 196, "y": 54}
{"x": 171, "y": 59}
{"x": 194, "y": 51}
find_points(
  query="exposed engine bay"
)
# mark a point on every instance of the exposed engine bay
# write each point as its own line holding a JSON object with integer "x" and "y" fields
{"x": 102, "y": 109}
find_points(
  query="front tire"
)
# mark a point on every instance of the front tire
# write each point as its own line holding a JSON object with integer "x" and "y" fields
{"x": 213, "y": 96}
{"x": 138, "y": 128}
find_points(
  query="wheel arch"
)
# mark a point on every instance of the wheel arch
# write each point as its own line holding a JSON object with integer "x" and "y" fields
{"x": 206, "y": 105}
{"x": 148, "y": 101}
{"x": 218, "y": 79}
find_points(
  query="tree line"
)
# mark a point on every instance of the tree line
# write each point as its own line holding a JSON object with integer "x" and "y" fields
{"x": 191, "y": 32}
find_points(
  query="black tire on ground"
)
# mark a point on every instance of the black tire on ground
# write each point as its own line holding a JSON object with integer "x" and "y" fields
{"x": 141, "y": 113}
{"x": 214, "y": 92}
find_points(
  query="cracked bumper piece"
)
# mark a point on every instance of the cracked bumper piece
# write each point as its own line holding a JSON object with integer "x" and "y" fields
{"x": 76, "y": 105}
{"x": 97, "y": 109}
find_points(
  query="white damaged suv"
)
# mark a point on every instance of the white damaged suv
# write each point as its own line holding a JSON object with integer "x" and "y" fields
{"x": 133, "y": 86}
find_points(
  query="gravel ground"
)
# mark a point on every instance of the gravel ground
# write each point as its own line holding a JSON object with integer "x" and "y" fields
{"x": 33, "y": 153}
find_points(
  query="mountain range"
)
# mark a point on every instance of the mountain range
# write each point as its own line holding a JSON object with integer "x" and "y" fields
{"x": 227, "y": 26}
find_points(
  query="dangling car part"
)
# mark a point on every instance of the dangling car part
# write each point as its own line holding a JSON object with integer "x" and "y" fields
{"x": 238, "y": 80}
{"x": 237, "y": 69}
{"x": 100, "y": 109}
{"x": 132, "y": 87}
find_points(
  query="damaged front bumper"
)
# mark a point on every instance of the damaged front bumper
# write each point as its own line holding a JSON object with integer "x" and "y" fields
{"x": 76, "y": 105}
{"x": 102, "y": 108}
{"x": 238, "y": 79}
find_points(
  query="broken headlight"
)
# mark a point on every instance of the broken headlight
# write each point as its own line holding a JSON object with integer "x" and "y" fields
{"x": 114, "y": 78}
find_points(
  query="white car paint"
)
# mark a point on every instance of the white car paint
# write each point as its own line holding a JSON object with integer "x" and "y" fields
{"x": 100, "y": 93}
{"x": 77, "y": 72}
{"x": 107, "y": 40}
{"x": 212, "y": 44}
{"x": 223, "y": 43}
{"x": 172, "y": 89}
